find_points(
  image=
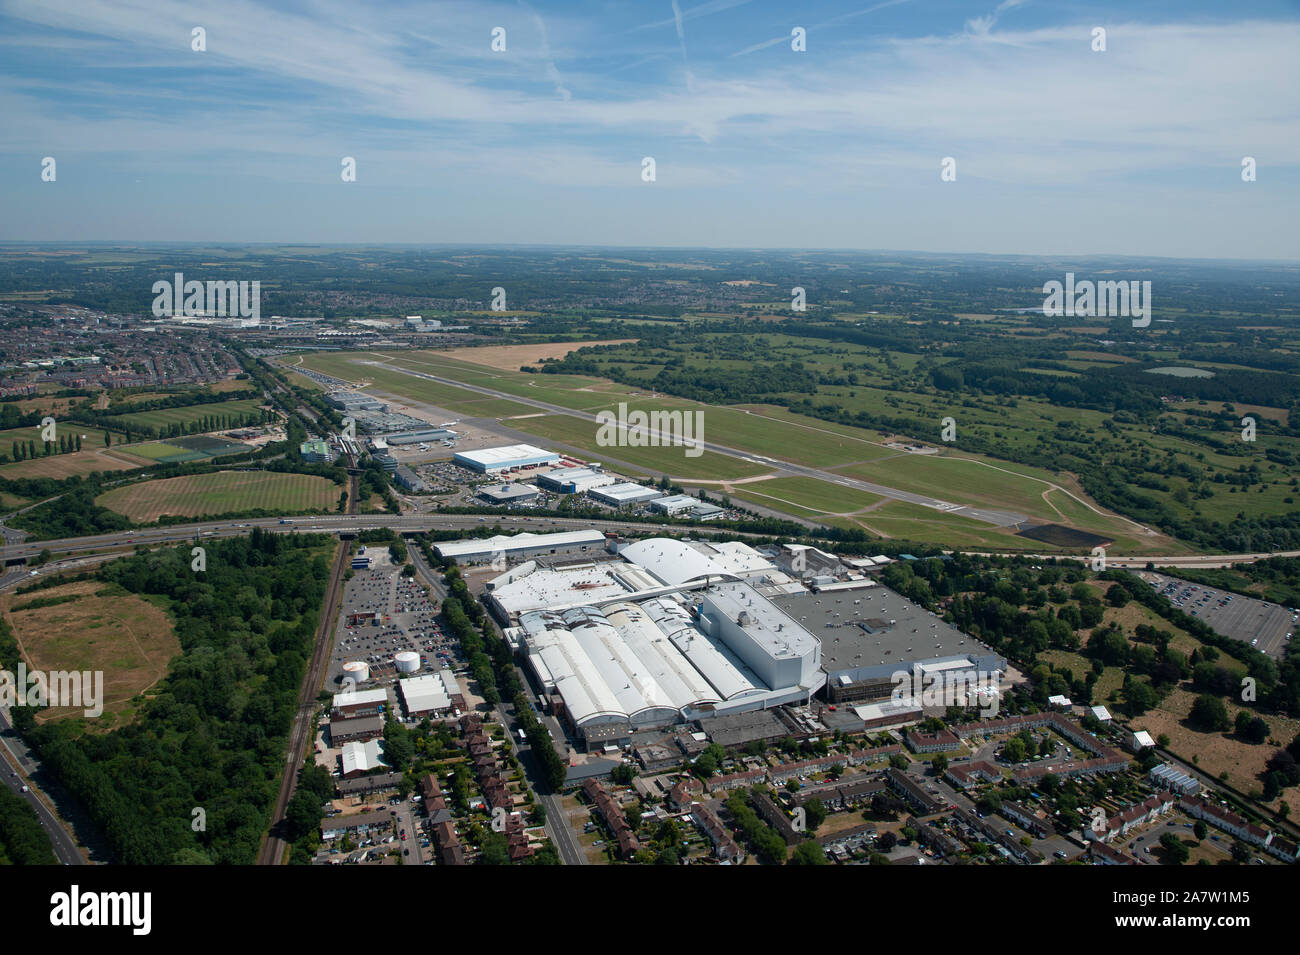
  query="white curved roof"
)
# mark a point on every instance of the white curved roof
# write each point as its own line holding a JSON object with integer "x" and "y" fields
{"x": 622, "y": 663}
{"x": 678, "y": 562}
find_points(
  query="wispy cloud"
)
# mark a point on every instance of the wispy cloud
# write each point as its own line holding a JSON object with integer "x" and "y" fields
{"x": 820, "y": 26}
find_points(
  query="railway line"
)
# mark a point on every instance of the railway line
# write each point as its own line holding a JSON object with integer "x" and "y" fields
{"x": 304, "y": 720}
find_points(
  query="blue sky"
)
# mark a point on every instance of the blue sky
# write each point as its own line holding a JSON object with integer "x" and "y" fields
{"x": 1059, "y": 149}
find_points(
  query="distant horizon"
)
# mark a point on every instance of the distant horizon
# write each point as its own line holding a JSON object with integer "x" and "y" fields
{"x": 542, "y": 246}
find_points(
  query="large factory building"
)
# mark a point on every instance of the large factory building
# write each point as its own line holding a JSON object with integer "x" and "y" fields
{"x": 673, "y": 631}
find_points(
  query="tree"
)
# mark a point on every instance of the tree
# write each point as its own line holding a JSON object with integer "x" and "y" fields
{"x": 1209, "y": 714}
{"x": 808, "y": 852}
{"x": 1175, "y": 852}
{"x": 940, "y": 763}
{"x": 814, "y": 814}
{"x": 495, "y": 850}
{"x": 303, "y": 814}
{"x": 886, "y": 841}
{"x": 989, "y": 802}
{"x": 1200, "y": 830}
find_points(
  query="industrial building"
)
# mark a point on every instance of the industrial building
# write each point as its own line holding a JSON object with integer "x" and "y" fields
{"x": 676, "y": 504}
{"x": 357, "y": 759}
{"x": 352, "y": 401}
{"x": 574, "y": 480}
{"x": 408, "y": 479}
{"x": 509, "y": 493}
{"x": 504, "y": 458}
{"x": 617, "y": 495}
{"x": 626, "y": 644}
{"x": 870, "y": 635}
{"x": 671, "y": 631}
{"x": 360, "y": 703}
{"x": 421, "y": 436}
{"x": 362, "y": 728}
{"x": 520, "y": 546}
{"x": 428, "y": 695}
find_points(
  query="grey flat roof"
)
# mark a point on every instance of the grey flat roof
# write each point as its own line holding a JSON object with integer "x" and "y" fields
{"x": 915, "y": 634}
{"x": 736, "y": 729}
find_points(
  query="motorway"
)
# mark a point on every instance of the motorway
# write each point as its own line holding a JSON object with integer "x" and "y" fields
{"x": 413, "y": 523}
{"x": 19, "y": 765}
{"x": 331, "y": 523}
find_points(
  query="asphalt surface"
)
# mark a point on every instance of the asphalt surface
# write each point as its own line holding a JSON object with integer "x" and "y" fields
{"x": 1265, "y": 625}
{"x": 19, "y": 766}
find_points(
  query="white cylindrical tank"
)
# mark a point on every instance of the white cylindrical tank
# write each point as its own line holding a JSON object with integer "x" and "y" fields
{"x": 408, "y": 661}
{"x": 358, "y": 670}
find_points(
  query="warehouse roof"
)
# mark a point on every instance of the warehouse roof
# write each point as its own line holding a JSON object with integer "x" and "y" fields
{"x": 511, "y": 543}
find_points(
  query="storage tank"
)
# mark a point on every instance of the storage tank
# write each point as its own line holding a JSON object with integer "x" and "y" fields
{"x": 408, "y": 661}
{"x": 358, "y": 670}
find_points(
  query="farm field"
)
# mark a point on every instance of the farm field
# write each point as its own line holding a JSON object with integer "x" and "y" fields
{"x": 221, "y": 493}
{"x": 94, "y": 626}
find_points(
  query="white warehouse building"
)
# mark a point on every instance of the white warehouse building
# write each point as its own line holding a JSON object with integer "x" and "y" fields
{"x": 628, "y": 492}
{"x": 516, "y": 546}
{"x": 504, "y": 458}
{"x": 681, "y": 638}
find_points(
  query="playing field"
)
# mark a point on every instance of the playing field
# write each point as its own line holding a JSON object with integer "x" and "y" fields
{"x": 226, "y": 492}
{"x": 157, "y": 451}
{"x": 166, "y": 417}
{"x": 89, "y": 626}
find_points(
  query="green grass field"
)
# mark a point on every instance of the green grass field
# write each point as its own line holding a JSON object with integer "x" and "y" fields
{"x": 166, "y": 417}
{"x": 811, "y": 496}
{"x": 672, "y": 461}
{"x": 224, "y": 492}
{"x": 157, "y": 451}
